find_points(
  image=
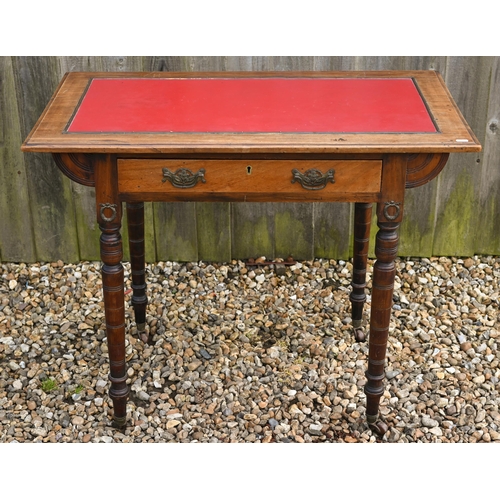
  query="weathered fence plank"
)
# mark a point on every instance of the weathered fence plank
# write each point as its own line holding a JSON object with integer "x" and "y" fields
{"x": 417, "y": 229}
{"x": 489, "y": 202}
{"x": 332, "y": 230}
{"x": 459, "y": 223}
{"x": 51, "y": 202}
{"x": 213, "y": 228}
{"x": 176, "y": 237}
{"x": 252, "y": 227}
{"x": 16, "y": 242}
{"x": 293, "y": 230}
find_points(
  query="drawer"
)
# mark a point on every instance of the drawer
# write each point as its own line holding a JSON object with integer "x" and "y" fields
{"x": 249, "y": 180}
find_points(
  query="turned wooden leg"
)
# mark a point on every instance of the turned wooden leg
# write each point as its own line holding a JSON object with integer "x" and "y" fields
{"x": 135, "y": 222}
{"x": 389, "y": 217}
{"x": 109, "y": 215}
{"x": 362, "y": 223}
{"x": 384, "y": 272}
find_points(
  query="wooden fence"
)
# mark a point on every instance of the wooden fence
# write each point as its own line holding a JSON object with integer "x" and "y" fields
{"x": 46, "y": 217}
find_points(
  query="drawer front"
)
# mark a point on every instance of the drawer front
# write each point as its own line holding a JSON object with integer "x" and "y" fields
{"x": 247, "y": 180}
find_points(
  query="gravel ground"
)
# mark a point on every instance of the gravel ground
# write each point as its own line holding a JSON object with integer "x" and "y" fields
{"x": 251, "y": 352}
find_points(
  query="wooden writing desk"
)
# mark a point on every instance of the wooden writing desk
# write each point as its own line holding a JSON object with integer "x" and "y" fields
{"x": 357, "y": 137}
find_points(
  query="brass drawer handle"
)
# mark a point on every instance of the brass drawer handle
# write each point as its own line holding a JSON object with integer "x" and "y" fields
{"x": 313, "y": 179}
{"x": 183, "y": 178}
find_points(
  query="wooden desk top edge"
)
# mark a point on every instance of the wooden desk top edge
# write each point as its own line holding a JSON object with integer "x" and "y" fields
{"x": 455, "y": 134}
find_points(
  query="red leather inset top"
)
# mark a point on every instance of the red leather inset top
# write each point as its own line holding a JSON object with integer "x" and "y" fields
{"x": 337, "y": 105}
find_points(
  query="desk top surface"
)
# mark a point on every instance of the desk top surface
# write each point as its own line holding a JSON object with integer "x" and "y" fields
{"x": 348, "y": 112}
{"x": 245, "y": 105}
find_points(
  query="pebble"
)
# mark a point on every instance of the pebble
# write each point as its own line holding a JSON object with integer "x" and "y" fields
{"x": 273, "y": 423}
{"x": 194, "y": 365}
{"x": 315, "y": 429}
{"x": 205, "y": 354}
{"x": 143, "y": 396}
{"x": 251, "y": 353}
{"x": 429, "y": 422}
{"x": 78, "y": 420}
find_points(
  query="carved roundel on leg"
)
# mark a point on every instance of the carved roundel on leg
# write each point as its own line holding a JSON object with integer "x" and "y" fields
{"x": 107, "y": 207}
{"x": 392, "y": 209}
